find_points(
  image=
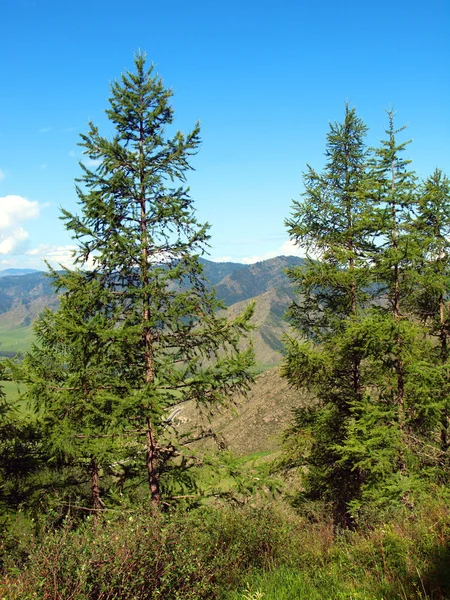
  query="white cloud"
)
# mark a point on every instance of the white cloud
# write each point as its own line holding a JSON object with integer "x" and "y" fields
{"x": 13, "y": 211}
{"x": 55, "y": 256}
{"x": 6, "y": 263}
{"x": 36, "y": 257}
{"x": 92, "y": 162}
{"x": 221, "y": 259}
{"x": 288, "y": 248}
{"x": 45, "y": 129}
{"x": 14, "y": 241}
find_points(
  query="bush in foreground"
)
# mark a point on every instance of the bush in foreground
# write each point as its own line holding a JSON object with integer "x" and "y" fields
{"x": 236, "y": 554}
{"x": 148, "y": 556}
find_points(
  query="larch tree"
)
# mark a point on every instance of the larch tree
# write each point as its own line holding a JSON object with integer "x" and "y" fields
{"x": 432, "y": 227}
{"x": 20, "y": 454}
{"x": 75, "y": 381}
{"x": 139, "y": 330}
{"x": 429, "y": 302}
{"x": 389, "y": 434}
{"x": 332, "y": 223}
{"x": 394, "y": 191}
{"x": 362, "y": 352}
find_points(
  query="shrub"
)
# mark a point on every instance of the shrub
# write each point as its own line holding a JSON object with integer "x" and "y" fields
{"x": 150, "y": 555}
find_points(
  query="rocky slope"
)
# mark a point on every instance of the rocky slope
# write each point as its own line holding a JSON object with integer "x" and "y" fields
{"x": 256, "y": 422}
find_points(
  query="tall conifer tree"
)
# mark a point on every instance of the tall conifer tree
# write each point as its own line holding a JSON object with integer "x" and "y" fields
{"x": 142, "y": 333}
{"x": 370, "y": 363}
{"x": 20, "y": 454}
{"x": 332, "y": 222}
{"x": 432, "y": 226}
{"x": 430, "y": 299}
{"x": 75, "y": 376}
{"x": 394, "y": 191}
{"x": 388, "y": 436}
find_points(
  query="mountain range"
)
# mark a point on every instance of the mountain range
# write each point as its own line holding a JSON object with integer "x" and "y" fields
{"x": 15, "y": 272}
{"x": 25, "y": 293}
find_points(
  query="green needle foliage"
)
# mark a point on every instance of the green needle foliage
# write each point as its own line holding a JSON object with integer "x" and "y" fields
{"x": 20, "y": 456}
{"x": 333, "y": 222}
{"x": 430, "y": 299}
{"x": 394, "y": 193}
{"x": 380, "y": 262}
{"x": 403, "y": 379}
{"x": 76, "y": 382}
{"x": 138, "y": 332}
{"x": 432, "y": 227}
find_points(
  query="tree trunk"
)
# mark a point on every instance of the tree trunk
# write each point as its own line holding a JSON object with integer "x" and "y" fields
{"x": 444, "y": 355}
{"x": 152, "y": 464}
{"x": 151, "y": 446}
{"x": 443, "y": 332}
{"x": 97, "y": 503}
{"x": 399, "y": 369}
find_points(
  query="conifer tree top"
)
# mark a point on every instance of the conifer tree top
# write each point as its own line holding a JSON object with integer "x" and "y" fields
{"x": 138, "y": 176}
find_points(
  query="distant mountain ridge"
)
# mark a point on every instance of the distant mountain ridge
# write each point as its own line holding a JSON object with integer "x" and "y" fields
{"x": 215, "y": 271}
{"x": 255, "y": 279}
{"x": 24, "y": 296}
{"x": 15, "y": 272}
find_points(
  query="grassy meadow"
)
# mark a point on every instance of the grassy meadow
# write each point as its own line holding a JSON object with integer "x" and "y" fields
{"x": 12, "y": 342}
{"x": 15, "y": 340}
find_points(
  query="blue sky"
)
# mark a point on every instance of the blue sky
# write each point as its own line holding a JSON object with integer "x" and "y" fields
{"x": 264, "y": 79}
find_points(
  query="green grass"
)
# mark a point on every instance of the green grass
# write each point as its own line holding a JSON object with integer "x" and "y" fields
{"x": 290, "y": 584}
{"x": 325, "y": 583}
{"x": 13, "y": 341}
{"x": 405, "y": 558}
{"x": 16, "y": 340}
{"x": 12, "y": 389}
